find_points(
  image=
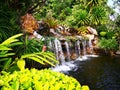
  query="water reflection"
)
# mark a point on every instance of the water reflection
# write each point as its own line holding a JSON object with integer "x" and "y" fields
{"x": 100, "y": 73}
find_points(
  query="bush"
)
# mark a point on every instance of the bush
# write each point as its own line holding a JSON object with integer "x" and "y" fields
{"x": 38, "y": 80}
{"x": 108, "y": 44}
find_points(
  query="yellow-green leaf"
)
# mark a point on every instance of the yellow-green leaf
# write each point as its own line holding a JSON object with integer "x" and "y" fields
{"x": 21, "y": 64}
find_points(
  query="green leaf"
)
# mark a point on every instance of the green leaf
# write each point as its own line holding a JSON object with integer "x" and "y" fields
{"x": 36, "y": 59}
{"x": 51, "y": 59}
{"x": 50, "y": 54}
{"x": 3, "y": 59}
{"x": 85, "y": 87}
{"x": 7, "y": 63}
{"x": 9, "y": 54}
{"x": 15, "y": 44}
{"x": 6, "y": 54}
{"x": 27, "y": 55}
{"x": 21, "y": 64}
{"x": 41, "y": 57}
{"x": 4, "y": 48}
{"x": 45, "y": 60}
{"x": 15, "y": 85}
{"x": 11, "y": 39}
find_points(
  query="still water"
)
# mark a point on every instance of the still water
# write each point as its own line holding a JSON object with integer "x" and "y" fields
{"x": 99, "y": 73}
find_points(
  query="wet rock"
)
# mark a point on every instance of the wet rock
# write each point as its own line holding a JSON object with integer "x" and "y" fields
{"x": 73, "y": 56}
{"x": 118, "y": 53}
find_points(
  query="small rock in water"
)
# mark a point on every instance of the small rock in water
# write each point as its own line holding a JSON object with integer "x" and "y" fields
{"x": 118, "y": 52}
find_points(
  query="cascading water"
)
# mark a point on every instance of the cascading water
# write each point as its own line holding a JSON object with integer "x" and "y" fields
{"x": 84, "y": 46}
{"x": 78, "y": 47}
{"x": 50, "y": 45}
{"x": 90, "y": 46}
{"x": 81, "y": 50}
{"x": 77, "y": 52}
{"x": 68, "y": 51}
{"x": 59, "y": 51}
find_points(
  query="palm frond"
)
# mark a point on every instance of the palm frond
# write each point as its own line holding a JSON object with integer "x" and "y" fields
{"x": 5, "y": 51}
{"x": 4, "y": 48}
{"x": 41, "y": 57}
{"x": 11, "y": 39}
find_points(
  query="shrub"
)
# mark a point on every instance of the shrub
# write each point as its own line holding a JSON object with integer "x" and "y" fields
{"x": 38, "y": 80}
{"x": 108, "y": 44}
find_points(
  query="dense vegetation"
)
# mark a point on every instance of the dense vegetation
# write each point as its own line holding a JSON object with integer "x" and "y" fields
{"x": 17, "y": 50}
{"x": 72, "y": 13}
{"x": 38, "y": 80}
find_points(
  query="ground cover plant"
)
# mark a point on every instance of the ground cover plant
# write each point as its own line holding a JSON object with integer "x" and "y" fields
{"x": 38, "y": 80}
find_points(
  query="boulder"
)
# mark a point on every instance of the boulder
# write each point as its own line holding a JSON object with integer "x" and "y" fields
{"x": 92, "y": 31}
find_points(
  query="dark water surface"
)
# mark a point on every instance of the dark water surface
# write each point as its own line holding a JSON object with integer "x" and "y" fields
{"x": 100, "y": 73}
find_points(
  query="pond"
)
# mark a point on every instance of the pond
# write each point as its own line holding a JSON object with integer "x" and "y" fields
{"x": 99, "y": 73}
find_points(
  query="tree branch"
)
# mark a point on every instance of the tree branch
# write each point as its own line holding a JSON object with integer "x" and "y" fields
{"x": 32, "y": 9}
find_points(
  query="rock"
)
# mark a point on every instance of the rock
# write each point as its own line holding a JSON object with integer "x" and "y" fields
{"x": 118, "y": 53}
{"x": 62, "y": 39}
{"x": 54, "y": 33}
{"x": 73, "y": 56}
{"x": 79, "y": 37}
{"x": 62, "y": 30}
{"x": 38, "y": 36}
{"x": 90, "y": 36}
{"x": 92, "y": 31}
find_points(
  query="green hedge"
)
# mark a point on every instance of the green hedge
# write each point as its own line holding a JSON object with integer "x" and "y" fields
{"x": 38, "y": 80}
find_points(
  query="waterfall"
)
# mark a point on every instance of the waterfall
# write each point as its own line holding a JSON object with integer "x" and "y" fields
{"x": 59, "y": 51}
{"x": 68, "y": 51}
{"x": 84, "y": 46}
{"x": 50, "y": 45}
{"x": 90, "y": 46}
{"x": 73, "y": 51}
{"x": 78, "y": 47}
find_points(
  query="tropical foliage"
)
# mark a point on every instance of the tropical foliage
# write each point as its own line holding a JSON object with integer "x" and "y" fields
{"x": 108, "y": 44}
{"x": 50, "y": 20}
{"x": 38, "y": 80}
{"x": 28, "y": 46}
{"x": 14, "y": 52}
{"x": 9, "y": 59}
{"x": 8, "y": 26}
{"x": 6, "y": 51}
